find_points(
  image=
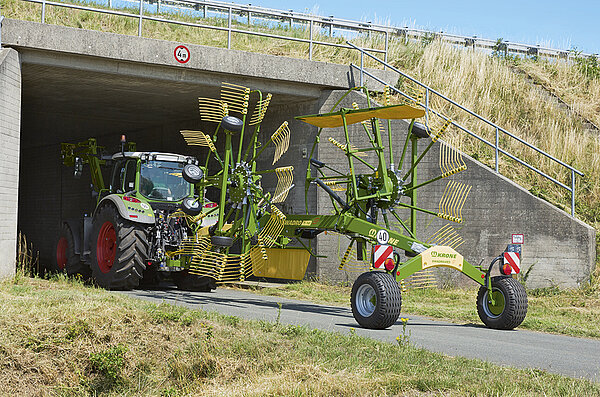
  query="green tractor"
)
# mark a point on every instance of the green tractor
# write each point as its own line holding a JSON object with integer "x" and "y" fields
{"x": 134, "y": 232}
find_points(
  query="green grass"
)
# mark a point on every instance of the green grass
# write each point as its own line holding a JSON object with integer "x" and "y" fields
{"x": 570, "y": 312}
{"x": 67, "y": 339}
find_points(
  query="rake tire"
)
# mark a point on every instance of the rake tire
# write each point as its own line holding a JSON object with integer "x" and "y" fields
{"x": 191, "y": 282}
{"x": 376, "y": 300}
{"x": 119, "y": 250}
{"x": 511, "y": 303}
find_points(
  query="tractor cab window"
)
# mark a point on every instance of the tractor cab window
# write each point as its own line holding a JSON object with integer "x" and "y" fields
{"x": 123, "y": 178}
{"x": 163, "y": 180}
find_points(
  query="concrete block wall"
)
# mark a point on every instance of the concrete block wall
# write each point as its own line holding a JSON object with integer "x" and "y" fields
{"x": 559, "y": 248}
{"x": 10, "y": 126}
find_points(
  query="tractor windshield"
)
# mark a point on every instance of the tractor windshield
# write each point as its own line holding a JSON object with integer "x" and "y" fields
{"x": 163, "y": 180}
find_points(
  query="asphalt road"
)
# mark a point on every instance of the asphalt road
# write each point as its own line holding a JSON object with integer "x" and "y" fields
{"x": 575, "y": 357}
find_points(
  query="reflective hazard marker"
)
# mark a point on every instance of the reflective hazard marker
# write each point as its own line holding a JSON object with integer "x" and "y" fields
{"x": 381, "y": 253}
{"x": 512, "y": 260}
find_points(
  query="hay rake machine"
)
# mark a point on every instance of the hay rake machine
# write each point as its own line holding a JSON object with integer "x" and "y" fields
{"x": 373, "y": 203}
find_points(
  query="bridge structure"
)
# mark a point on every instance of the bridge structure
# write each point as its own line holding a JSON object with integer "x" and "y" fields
{"x": 64, "y": 84}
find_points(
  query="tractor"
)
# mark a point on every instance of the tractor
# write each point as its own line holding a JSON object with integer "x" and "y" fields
{"x": 133, "y": 234}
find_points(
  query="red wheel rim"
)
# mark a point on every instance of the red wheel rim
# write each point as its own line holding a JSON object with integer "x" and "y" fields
{"x": 106, "y": 247}
{"x": 61, "y": 253}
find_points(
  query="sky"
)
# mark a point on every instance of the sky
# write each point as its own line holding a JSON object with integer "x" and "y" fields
{"x": 557, "y": 24}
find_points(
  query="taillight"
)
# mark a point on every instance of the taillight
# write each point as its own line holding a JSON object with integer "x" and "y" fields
{"x": 131, "y": 199}
{"x": 506, "y": 269}
{"x": 389, "y": 264}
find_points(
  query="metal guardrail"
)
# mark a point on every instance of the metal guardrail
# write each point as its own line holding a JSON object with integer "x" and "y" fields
{"x": 229, "y": 29}
{"x": 389, "y": 32}
{"x": 496, "y": 146}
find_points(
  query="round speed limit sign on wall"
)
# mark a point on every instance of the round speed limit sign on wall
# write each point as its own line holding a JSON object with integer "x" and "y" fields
{"x": 182, "y": 54}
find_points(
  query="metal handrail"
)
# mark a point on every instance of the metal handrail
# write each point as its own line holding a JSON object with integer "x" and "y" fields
{"x": 141, "y": 17}
{"x": 498, "y": 129}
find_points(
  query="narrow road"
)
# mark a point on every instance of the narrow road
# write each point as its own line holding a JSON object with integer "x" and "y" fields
{"x": 575, "y": 357}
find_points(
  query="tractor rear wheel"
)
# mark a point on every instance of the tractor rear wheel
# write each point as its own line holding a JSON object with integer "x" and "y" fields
{"x": 191, "y": 282}
{"x": 510, "y": 303}
{"x": 376, "y": 300}
{"x": 119, "y": 250}
{"x": 67, "y": 261}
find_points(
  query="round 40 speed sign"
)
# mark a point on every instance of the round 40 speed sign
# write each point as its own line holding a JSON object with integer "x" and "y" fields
{"x": 182, "y": 54}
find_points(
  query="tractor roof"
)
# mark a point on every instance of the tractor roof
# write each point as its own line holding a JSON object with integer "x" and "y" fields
{"x": 156, "y": 156}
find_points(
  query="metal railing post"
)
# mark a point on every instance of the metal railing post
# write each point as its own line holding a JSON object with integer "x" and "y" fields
{"x": 362, "y": 63}
{"x": 109, "y": 3}
{"x": 427, "y": 106}
{"x": 204, "y": 9}
{"x": 158, "y": 6}
{"x": 497, "y": 144}
{"x": 385, "y": 56}
{"x": 249, "y": 18}
{"x": 141, "y": 17}
{"x": 572, "y": 192}
{"x": 1, "y": 19}
{"x": 229, "y": 30}
{"x": 44, "y": 11}
{"x": 310, "y": 44}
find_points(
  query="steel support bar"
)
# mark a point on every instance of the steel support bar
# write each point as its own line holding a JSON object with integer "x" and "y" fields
{"x": 497, "y": 143}
{"x": 229, "y": 30}
{"x": 310, "y": 37}
{"x": 1, "y": 19}
{"x": 141, "y": 18}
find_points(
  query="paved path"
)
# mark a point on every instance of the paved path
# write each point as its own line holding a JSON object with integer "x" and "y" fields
{"x": 565, "y": 355}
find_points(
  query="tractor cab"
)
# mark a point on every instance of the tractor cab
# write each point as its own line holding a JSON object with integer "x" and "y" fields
{"x": 157, "y": 177}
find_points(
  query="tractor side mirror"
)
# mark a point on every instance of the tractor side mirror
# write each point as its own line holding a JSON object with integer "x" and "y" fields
{"x": 78, "y": 167}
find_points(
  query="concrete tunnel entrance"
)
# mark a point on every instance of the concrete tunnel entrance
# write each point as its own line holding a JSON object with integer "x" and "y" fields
{"x": 68, "y": 105}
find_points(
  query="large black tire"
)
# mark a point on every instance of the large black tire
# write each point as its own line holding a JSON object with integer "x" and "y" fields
{"x": 66, "y": 260}
{"x": 510, "y": 306}
{"x": 191, "y": 282}
{"x": 376, "y": 300}
{"x": 119, "y": 250}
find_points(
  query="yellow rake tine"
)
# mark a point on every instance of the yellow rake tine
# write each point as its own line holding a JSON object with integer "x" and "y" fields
{"x": 212, "y": 109}
{"x": 285, "y": 177}
{"x": 281, "y": 140}
{"x": 198, "y": 138}
{"x": 236, "y": 96}
{"x": 260, "y": 110}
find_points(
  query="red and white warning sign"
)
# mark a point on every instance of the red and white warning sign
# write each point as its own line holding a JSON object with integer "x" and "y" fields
{"x": 512, "y": 260}
{"x": 382, "y": 252}
{"x": 182, "y": 54}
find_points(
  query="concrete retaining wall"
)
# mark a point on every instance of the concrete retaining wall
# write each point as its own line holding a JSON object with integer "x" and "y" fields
{"x": 10, "y": 126}
{"x": 560, "y": 248}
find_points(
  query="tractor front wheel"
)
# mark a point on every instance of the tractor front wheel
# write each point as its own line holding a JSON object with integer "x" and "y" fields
{"x": 510, "y": 303}
{"x": 119, "y": 250}
{"x": 67, "y": 261}
{"x": 376, "y": 300}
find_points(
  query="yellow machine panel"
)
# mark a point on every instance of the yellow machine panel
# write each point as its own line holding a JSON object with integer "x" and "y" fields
{"x": 288, "y": 263}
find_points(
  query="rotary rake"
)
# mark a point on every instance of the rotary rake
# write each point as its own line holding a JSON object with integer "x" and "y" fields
{"x": 373, "y": 203}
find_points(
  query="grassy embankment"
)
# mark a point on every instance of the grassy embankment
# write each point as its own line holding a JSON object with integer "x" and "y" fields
{"x": 62, "y": 338}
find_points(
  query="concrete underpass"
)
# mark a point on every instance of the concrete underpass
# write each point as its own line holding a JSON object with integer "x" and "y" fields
{"x": 77, "y": 84}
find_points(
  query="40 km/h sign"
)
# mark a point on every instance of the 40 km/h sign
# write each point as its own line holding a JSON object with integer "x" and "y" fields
{"x": 182, "y": 54}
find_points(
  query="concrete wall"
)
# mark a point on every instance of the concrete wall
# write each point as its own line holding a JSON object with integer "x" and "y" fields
{"x": 560, "y": 248}
{"x": 10, "y": 126}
